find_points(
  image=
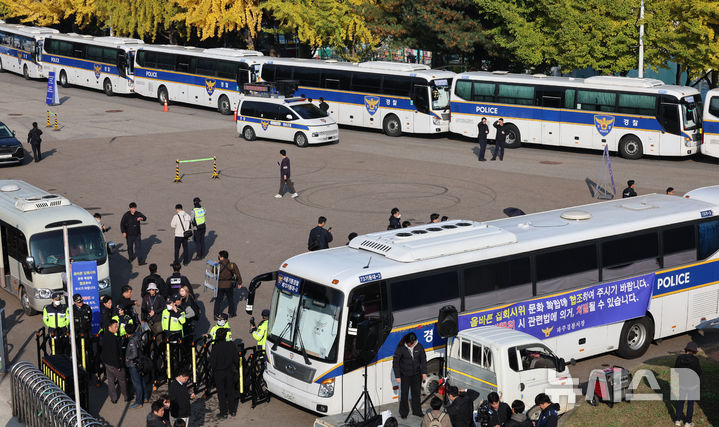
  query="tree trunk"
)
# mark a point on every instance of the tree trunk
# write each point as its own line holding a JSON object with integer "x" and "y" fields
{"x": 249, "y": 41}
{"x": 678, "y": 76}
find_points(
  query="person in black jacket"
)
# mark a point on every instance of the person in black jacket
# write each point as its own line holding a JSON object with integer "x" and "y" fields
{"x": 688, "y": 384}
{"x": 482, "y": 138}
{"x": 224, "y": 362}
{"x": 154, "y": 418}
{"x": 130, "y": 228}
{"x": 82, "y": 315}
{"x": 285, "y": 179}
{"x": 319, "y": 237}
{"x": 410, "y": 368}
{"x": 106, "y": 312}
{"x": 499, "y": 412}
{"x": 110, "y": 356}
{"x": 180, "y": 398}
{"x": 518, "y": 418}
{"x": 152, "y": 306}
{"x": 133, "y": 362}
{"x": 461, "y": 408}
{"x": 394, "y": 217}
{"x": 155, "y": 278}
{"x": 548, "y": 417}
{"x": 629, "y": 191}
{"x": 33, "y": 138}
{"x": 176, "y": 280}
{"x": 499, "y": 140}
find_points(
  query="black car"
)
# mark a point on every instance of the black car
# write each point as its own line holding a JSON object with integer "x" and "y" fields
{"x": 11, "y": 150}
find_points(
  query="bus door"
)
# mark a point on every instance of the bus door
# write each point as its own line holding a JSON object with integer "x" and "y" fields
{"x": 550, "y": 124}
{"x": 14, "y": 252}
{"x": 243, "y": 75}
{"x": 671, "y": 125}
{"x": 4, "y": 259}
{"x": 421, "y": 119}
{"x": 37, "y": 53}
{"x": 122, "y": 64}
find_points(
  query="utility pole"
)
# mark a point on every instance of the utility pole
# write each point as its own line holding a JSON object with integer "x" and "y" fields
{"x": 641, "y": 40}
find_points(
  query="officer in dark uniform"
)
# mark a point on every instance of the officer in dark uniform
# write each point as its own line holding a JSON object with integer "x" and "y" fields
{"x": 499, "y": 140}
{"x": 175, "y": 282}
{"x": 224, "y": 363}
{"x": 629, "y": 191}
{"x": 483, "y": 130}
{"x": 56, "y": 317}
{"x": 82, "y": 315}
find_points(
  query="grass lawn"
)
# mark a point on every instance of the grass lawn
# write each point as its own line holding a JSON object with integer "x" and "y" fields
{"x": 653, "y": 413}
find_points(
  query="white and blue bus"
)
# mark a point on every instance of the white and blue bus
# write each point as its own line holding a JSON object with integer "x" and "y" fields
{"x": 103, "y": 63}
{"x": 185, "y": 74}
{"x": 586, "y": 280}
{"x": 634, "y": 117}
{"x": 710, "y": 141}
{"x": 394, "y": 97}
{"x": 21, "y": 49}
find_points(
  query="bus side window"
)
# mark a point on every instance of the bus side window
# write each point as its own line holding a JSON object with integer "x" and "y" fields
{"x": 249, "y": 108}
{"x": 421, "y": 296}
{"x": 466, "y": 351}
{"x": 708, "y": 238}
{"x": 669, "y": 117}
{"x": 567, "y": 268}
{"x": 630, "y": 256}
{"x": 420, "y": 98}
{"x": 714, "y": 106}
{"x": 679, "y": 246}
{"x": 512, "y": 359}
{"x": 367, "y": 302}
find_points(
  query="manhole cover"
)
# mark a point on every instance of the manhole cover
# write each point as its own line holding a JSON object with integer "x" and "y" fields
{"x": 550, "y": 162}
{"x": 113, "y": 111}
{"x": 14, "y": 115}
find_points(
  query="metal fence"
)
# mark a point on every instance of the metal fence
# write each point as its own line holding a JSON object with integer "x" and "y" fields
{"x": 37, "y": 401}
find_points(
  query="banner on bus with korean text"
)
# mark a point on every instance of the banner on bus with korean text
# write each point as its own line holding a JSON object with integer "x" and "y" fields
{"x": 84, "y": 282}
{"x": 571, "y": 311}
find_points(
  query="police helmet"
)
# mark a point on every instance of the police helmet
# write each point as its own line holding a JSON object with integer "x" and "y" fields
{"x": 222, "y": 316}
{"x": 196, "y": 200}
{"x": 77, "y": 298}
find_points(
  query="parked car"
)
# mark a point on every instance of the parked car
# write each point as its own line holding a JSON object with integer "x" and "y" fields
{"x": 11, "y": 150}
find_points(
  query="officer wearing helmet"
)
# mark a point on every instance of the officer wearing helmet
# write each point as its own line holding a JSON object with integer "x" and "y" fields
{"x": 198, "y": 220}
{"x": 172, "y": 317}
{"x": 82, "y": 315}
{"x": 221, "y": 324}
{"x": 259, "y": 332}
{"x": 56, "y": 317}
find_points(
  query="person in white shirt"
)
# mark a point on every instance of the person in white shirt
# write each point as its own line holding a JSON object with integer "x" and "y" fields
{"x": 181, "y": 223}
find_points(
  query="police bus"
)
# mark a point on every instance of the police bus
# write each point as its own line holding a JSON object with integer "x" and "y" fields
{"x": 634, "y": 117}
{"x": 32, "y": 256}
{"x": 710, "y": 142}
{"x": 185, "y": 74}
{"x": 584, "y": 280}
{"x": 93, "y": 62}
{"x": 21, "y": 49}
{"x": 394, "y": 97}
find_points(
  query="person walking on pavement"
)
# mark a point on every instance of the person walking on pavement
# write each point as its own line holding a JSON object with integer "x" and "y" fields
{"x": 155, "y": 278}
{"x": 130, "y": 228}
{"x": 285, "y": 176}
{"x": 198, "y": 220}
{"x": 229, "y": 278}
{"x": 133, "y": 362}
{"x": 180, "y": 398}
{"x": 56, "y": 317}
{"x": 259, "y": 332}
{"x": 461, "y": 406}
{"x": 33, "y": 138}
{"x": 688, "y": 384}
{"x": 629, "y": 191}
{"x": 482, "y": 138}
{"x": 499, "y": 140}
{"x": 394, "y": 217}
{"x": 110, "y": 356}
{"x": 176, "y": 280}
{"x": 319, "y": 237}
{"x": 410, "y": 368}
{"x": 181, "y": 222}
{"x": 224, "y": 362}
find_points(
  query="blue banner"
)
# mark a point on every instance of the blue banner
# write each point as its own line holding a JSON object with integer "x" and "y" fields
{"x": 669, "y": 282}
{"x": 571, "y": 311}
{"x": 52, "y": 97}
{"x": 84, "y": 282}
{"x": 288, "y": 283}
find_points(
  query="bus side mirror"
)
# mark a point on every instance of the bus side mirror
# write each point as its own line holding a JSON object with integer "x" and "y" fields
{"x": 111, "y": 247}
{"x": 30, "y": 262}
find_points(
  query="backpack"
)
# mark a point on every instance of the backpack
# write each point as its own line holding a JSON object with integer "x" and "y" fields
{"x": 431, "y": 421}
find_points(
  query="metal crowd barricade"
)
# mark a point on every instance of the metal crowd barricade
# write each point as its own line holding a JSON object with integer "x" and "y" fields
{"x": 38, "y": 402}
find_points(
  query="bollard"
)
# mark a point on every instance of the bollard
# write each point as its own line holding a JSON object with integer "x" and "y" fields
{"x": 82, "y": 349}
{"x": 242, "y": 377}
{"x": 56, "y": 127}
{"x": 169, "y": 363}
{"x": 177, "y": 171}
{"x": 48, "y": 120}
{"x": 214, "y": 168}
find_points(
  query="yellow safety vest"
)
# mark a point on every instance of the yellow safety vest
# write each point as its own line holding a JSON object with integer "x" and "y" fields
{"x": 56, "y": 318}
{"x": 126, "y": 320}
{"x": 172, "y": 323}
{"x": 213, "y": 332}
{"x": 199, "y": 215}
{"x": 260, "y": 334}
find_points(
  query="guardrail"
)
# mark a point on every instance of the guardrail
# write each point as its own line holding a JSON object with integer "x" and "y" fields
{"x": 38, "y": 402}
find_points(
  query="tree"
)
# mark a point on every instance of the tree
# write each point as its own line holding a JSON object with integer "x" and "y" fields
{"x": 46, "y": 12}
{"x": 212, "y": 18}
{"x": 335, "y": 23}
{"x": 145, "y": 19}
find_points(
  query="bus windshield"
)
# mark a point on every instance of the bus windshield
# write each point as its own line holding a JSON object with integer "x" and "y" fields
{"x": 309, "y": 111}
{"x": 440, "y": 93}
{"x": 691, "y": 112}
{"x": 306, "y": 316}
{"x": 86, "y": 244}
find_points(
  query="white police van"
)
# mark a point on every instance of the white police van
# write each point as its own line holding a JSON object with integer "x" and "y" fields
{"x": 285, "y": 119}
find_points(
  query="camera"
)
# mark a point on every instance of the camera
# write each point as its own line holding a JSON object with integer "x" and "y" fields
{"x": 483, "y": 414}
{"x": 252, "y": 321}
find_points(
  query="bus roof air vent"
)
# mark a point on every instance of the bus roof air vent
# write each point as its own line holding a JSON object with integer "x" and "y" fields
{"x": 35, "y": 203}
{"x": 500, "y": 72}
{"x": 576, "y": 215}
{"x": 8, "y": 188}
{"x": 539, "y": 76}
{"x": 637, "y": 206}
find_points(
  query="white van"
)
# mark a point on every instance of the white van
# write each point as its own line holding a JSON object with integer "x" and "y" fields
{"x": 514, "y": 364}
{"x": 285, "y": 119}
{"x": 32, "y": 256}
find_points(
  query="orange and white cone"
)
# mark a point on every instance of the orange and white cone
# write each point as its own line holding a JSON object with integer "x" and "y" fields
{"x": 166, "y": 109}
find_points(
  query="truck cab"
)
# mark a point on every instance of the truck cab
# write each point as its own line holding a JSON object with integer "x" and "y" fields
{"x": 514, "y": 364}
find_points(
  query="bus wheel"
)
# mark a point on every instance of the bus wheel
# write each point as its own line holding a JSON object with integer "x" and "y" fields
{"x": 630, "y": 147}
{"x": 300, "y": 139}
{"x": 514, "y": 139}
{"x": 162, "y": 95}
{"x": 392, "y": 125}
{"x": 25, "y": 301}
{"x": 434, "y": 373}
{"x": 248, "y": 133}
{"x": 63, "y": 79}
{"x": 635, "y": 337}
{"x": 25, "y": 72}
{"x": 107, "y": 87}
{"x": 223, "y": 106}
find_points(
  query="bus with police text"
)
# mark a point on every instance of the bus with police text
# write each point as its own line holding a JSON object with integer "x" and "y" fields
{"x": 710, "y": 141}
{"x": 586, "y": 280}
{"x": 631, "y": 116}
{"x": 21, "y": 49}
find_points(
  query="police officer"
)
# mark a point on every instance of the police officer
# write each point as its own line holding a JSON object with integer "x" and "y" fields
{"x": 221, "y": 324}
{"x": 82, "y": 315}
{"x": 175, "y": 282}
{"x": 483, "y": 130}
{"x": 629, "y": 191}
{"x": 123, "y": 318}
{"x": 172, "y": 317}
{"x": 499, "y": 140}
{"x": 56, "y": 317}
{"x": 259, "y": 332}
{"x": 198, "y": 220}
{"x": 224, "y": 362}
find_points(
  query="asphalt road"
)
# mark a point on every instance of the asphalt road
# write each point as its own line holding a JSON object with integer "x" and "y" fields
{"x": 114, "y": 150}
